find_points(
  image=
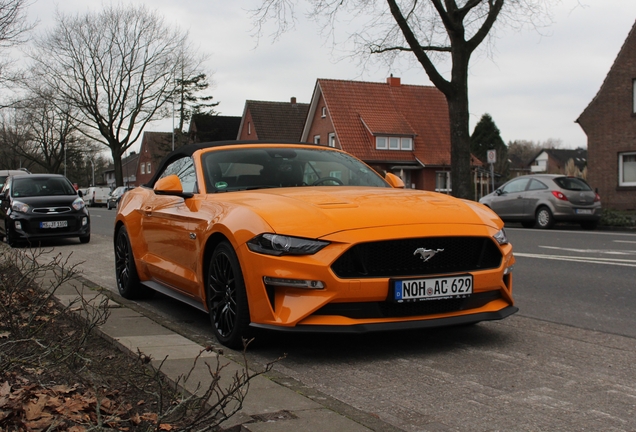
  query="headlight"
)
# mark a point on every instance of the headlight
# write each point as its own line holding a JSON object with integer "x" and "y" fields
{"x": 501, "y": 237}
{"x": 78, "y": 204}
{"x": 18, "y": 206}
{"x": 274, "y": 244}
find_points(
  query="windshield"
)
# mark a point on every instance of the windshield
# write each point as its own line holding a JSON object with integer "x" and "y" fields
{"x": 41, "y": 186}
{"x": 255, "y": 168}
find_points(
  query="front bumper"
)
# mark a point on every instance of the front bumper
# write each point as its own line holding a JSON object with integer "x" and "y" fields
{"x": 393, "y": 326}
{"x": 352, "y": 304}
{"x": 27, "y": 227}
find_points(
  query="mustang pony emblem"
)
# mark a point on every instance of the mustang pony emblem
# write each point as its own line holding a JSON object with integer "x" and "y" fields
{"x": 426, "y": 254}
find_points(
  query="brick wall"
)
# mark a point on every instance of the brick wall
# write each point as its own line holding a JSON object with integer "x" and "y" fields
{"x": 610, "y": 125}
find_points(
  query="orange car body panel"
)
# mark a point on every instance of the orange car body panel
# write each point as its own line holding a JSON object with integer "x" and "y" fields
{"x": 179, "y": 229}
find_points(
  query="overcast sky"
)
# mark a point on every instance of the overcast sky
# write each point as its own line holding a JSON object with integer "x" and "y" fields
{"x": 534, "y": 86}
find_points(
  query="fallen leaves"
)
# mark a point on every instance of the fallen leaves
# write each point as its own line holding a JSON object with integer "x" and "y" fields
{"x": 30, "y": 407}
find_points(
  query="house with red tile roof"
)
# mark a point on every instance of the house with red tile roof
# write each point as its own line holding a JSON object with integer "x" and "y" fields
{"x": 272, "y": 121}
{"x": 393, "y": 127}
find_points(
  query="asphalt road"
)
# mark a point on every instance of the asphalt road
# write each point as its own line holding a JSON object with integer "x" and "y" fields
{"x": 565, "y": 362}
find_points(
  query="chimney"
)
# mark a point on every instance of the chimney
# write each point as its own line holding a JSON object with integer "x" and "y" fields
{"x": 293, "y": 100}
{"x": 393, "y": 82}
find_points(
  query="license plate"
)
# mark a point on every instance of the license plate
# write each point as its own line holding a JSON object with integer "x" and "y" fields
{"x": 584, "y": 211}
{"x": 54, "y": 224}
{"x": 431, "y": 288}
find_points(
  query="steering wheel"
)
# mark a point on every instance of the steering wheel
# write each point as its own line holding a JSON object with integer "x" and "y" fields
{"x": 326, "y": 179}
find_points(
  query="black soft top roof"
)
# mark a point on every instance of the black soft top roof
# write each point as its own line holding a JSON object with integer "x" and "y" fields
{"x": 189, "y": 149}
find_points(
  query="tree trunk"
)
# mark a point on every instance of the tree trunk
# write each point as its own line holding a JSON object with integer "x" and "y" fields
{"x": 460, "y": 144}
{"x": 459, "y": 116}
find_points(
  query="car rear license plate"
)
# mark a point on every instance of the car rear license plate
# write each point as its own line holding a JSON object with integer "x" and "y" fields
{"x": 54, "y": 224}
{"x": 431, "y": 288}
{"x": 584, "y": 211}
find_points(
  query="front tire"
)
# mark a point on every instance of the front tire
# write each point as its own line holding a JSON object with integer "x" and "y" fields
{"x": 85, "y": 239}
{"x": 545, "y": 219}
{"x": 125, "y": 269}
{"x": 227, "y": 298}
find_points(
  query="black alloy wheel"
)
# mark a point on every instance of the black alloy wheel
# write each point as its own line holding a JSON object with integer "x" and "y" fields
{"x": 125, "y": 270}
{"x": 226, "y": 297}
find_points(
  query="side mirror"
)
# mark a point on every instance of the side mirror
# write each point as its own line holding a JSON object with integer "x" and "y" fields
{"x": 498, "y": 192}
{"x": 394, "y": 180}
{"x": 171, "y": 185}
{"x": 79, "y": 192}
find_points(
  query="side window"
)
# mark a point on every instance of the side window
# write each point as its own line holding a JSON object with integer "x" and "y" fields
{"x": 516, "y": 186}
{"x": 536, "y": 185}
{"x": 184, "y": 169}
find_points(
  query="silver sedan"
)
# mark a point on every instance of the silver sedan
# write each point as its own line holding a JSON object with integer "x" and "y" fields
{"x": 544, "y": 199}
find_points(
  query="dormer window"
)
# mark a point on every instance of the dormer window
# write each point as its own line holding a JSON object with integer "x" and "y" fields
{"x": 393, "y": 143}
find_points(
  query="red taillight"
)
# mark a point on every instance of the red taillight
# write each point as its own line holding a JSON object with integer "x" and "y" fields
{"x": 597, "y": 198}
{"x": 559, "y": 195}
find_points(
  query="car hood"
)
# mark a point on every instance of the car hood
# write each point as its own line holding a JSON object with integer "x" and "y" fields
{"x": 319, "y": 211}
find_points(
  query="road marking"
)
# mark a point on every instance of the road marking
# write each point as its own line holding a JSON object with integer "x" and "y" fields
{"x": 624, "y": 241}
{"x": 600, "y": 251}
{"x": 607, "y": 261}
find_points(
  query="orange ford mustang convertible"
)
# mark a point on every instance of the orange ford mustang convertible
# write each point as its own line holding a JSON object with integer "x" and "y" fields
{"x": 301, "y": 237}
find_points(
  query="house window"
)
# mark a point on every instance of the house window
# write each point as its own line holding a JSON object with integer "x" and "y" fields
{"x": 332, "y": 140}
{"x": 627, "y": 169}
{"x": 249, "y": 128}
{"x": 148, "y": 168}
{"x": 634, "y": 96}
{"x": 143, "y": 168}
{"x": 380, "y": 143}
{"x": 324, "y": 112}
{"x": 316, "y": 139}
{"x": 393, "y": 143}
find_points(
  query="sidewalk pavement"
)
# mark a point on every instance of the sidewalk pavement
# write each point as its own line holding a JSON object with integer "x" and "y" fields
{"x": 278, "y": 404}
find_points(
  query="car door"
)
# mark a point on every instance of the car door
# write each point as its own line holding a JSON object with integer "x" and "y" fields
{"x": 536, "y": 191}
{"x": 168, "y": 227}
{"x": 509, "y": 203}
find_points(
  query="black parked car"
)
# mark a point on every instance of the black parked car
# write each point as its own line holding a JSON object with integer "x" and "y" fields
{"x": 39, "y": 206}
{"x": 115, "y": 196}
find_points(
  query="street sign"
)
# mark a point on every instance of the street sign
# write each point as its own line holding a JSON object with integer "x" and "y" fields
{"x": 491, "y": 155}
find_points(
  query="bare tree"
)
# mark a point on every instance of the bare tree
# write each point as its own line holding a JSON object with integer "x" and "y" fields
{"x": 14, "y": 28}
{"x": 118, "y": 68}
{"x": 54, "y": 139}
{"x": 14, "y": 135}
{"x": 439, "y": 34}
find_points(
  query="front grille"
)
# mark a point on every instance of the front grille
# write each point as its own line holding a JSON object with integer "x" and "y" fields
{"x": 51, "y": 210}
{"x": 396, "y": 258}
{"x": 370, "y": 310}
